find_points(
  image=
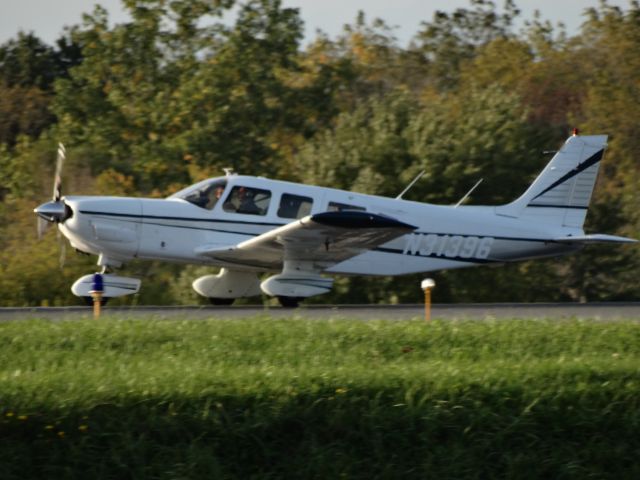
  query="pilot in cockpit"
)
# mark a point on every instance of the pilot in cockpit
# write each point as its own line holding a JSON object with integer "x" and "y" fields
{"x": 212, "y": 196}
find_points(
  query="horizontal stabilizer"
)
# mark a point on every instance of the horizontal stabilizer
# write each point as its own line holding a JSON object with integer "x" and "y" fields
{"x": 595, "y": 238}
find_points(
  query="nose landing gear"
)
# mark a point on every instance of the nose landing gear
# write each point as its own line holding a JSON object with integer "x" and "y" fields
{"x": 289, "y": 302}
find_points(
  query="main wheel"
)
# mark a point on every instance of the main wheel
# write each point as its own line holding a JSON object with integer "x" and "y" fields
{"x": 221, "y": 301}
{"x": 289, "y": 302}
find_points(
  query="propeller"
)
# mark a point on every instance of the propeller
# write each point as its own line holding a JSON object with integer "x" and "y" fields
{"x": 55, "y": 211}
{"x": 42, "y": 226}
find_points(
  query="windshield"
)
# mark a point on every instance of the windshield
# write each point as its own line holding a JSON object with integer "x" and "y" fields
{"x": 204, "y": 194}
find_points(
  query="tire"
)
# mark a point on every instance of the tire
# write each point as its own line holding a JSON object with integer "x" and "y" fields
{"x": 289, "y": 302}
{"x": 221, "y": 301}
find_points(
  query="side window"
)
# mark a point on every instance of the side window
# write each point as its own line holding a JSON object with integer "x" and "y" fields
{"x": 294, "y": 206}
{"x": 252, "y": 201}
{"x": 339, "y": 207}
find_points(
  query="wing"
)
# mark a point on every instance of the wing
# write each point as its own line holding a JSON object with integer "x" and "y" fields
{"x": 323, "y": 239}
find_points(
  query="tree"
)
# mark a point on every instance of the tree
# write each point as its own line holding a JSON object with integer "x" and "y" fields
{"x": 452, "y": 39}
{"x": 28, "y": 62}
{"x": 28, "y": 68}
{"x": 239, "y": 104}
{"x": 610, "y": 39}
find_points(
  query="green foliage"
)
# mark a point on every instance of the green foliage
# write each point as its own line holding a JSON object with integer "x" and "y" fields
{"x": 366, "y": 150}
{"x": 383, "y": 144}
{"x": 260, "y": 398}
{"x": 23, "y": 110}
{"x": 28, "y": 62}
{"x": 450, "y": 40}
{"x": 178, "y": 92}
{"x": 238, "y": 102}
{"x": 34, "y": 277}
{"x": 28, "y": 69}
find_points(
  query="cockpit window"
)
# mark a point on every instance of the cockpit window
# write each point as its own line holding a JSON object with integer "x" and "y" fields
{"x": 252, "y": 201}
{"x": 204, "y": 195}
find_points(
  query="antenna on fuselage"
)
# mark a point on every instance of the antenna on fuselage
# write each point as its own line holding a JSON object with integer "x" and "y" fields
{"x": 399, "y": 197}
{"x": 466, "y": 195}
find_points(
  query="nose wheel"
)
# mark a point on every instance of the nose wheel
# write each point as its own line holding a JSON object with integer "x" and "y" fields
{"x": 289, "y": 302}
{"x": 89, "y": 301}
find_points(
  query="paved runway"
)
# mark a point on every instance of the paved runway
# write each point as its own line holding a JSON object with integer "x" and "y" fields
{"x": 598, "y": 311}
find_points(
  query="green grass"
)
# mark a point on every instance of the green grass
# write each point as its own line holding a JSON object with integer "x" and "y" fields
{"x": 264, "y": 398}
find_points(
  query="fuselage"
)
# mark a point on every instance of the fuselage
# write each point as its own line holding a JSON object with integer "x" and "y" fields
{"x": 172, "y": 229}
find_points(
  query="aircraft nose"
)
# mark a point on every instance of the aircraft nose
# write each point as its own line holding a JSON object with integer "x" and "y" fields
{"x": 56, "y": 211}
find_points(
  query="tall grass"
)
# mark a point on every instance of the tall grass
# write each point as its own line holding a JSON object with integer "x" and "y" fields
{"x": 264, "y": 398}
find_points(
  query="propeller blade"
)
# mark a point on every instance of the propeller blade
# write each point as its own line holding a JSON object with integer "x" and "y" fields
{"x": 63, "y": 254}
{"x": 42, "y": 226}
{"x": 63, "y": 248}
{"x": 57, "y": 182}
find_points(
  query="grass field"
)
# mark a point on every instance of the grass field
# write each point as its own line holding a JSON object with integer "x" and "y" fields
{"x": 264, "y": 398}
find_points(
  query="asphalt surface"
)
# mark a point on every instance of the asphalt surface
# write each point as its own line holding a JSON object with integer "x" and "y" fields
{"x": 485, "y": 311}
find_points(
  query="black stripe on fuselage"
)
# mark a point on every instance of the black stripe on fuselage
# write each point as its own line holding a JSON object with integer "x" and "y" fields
{"x": 158, "y": 217}
{"x": 143, "y": 218}
{"x": 184, "y": 219}
{"x": 581, "y": 167}
{"x": 467, "y": 235}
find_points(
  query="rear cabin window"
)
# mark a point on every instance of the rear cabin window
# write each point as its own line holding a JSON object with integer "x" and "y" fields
{"x": 341, "y": 207}
{"x": 251, "y": 201}
{"x": 294, "y": 206}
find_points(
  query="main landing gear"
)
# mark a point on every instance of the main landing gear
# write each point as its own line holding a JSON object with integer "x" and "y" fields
{"x": 221, "y": 301}
{"x": 285, "y": 302}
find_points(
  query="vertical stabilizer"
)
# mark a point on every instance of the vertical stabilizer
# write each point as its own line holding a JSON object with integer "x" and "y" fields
{"x": 560, "y": 195}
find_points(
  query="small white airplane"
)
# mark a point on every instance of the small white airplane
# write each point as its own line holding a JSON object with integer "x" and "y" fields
{"x": 299, "y": 234}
